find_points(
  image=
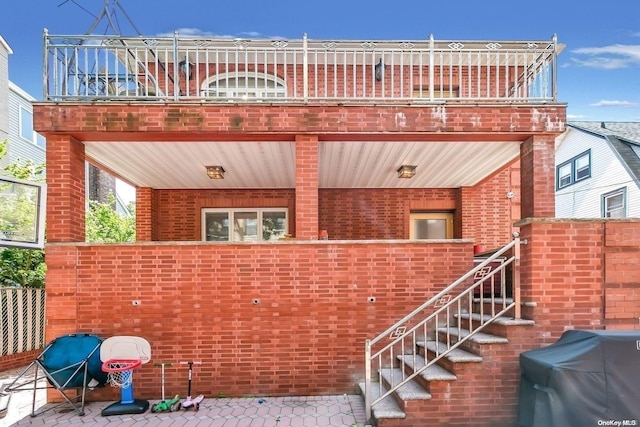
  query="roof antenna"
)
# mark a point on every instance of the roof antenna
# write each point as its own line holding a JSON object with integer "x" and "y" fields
{"x": 108, "y": 14}
{"x": 602, "y": 125}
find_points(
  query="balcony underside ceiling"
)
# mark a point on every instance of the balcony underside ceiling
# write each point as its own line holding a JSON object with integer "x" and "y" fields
{"x": 342, "y": 164}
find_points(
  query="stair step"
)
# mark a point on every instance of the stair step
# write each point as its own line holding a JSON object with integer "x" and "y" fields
{"x": 504, "y": 321}
{"x": 432, "y": 373}
{"x": 478, "y": 337}
{"x": 387, "y": 407}
{"x": 409, "y": 391}
{"x": 456, "y": 355}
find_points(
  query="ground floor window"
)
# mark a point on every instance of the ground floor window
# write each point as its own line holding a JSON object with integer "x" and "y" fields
{"x": 244, "y": 225}
{"x": 431, "y": 225}
{"x": 614, "y": 204}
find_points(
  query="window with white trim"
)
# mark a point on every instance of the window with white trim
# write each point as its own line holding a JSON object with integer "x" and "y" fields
{"x": 244, "y": 85}
{"x": 614, "y": 204}
{"x": 573, "y": 170}
{"x": 244, "y": 225}
{"x": 26, "y": 128}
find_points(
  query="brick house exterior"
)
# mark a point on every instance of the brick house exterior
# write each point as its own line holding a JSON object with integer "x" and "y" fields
{"x": 291, "y": 317}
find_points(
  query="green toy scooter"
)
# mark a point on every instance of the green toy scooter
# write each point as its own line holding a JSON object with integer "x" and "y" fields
{"x": 166, "y": 405}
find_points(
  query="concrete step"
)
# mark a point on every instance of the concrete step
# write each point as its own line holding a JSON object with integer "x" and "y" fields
{"x": 456, "y": 355}
{"x": 409, "y": 391}
{"x": 479, "y": 337}
{"x": 387, "y": 407}
{"x": 432, "y": 373}
{"x": 502, "y": 320}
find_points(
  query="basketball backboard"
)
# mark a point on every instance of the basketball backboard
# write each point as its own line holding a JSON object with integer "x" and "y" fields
{"x": 125, "y": 347}
{"x": 22, "y": 213}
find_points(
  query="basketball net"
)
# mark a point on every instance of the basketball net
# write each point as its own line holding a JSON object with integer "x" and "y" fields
{"x": 120, "y": 372}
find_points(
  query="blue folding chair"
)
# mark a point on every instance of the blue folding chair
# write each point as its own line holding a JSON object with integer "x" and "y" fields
{"x": 69, "y": 363}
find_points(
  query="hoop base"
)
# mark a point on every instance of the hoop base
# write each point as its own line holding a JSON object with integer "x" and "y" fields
{"x": 136, "y": 407}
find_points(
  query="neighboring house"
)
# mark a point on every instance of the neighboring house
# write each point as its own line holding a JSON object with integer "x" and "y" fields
{"x": 598, "y": 170}
{"x": 16, "y": 118}
{"x": 297, "y": 198}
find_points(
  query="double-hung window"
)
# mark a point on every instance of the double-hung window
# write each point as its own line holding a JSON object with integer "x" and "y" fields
{"x": 244, "y": 225}
{"x": 26, "y": 128}
{"x": 573, "y": 170}
{"x": 614, "y": 204}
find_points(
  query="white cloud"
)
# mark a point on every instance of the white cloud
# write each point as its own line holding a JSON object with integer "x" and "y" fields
{"x": 611, "y": 103}
{"x": 608, "y": 57}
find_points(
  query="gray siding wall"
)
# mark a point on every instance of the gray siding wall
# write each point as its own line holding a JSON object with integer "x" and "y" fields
{"x": 19, "y": 147}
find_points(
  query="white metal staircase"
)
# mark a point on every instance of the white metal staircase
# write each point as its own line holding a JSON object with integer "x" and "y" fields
{"x": 423, "y": 347}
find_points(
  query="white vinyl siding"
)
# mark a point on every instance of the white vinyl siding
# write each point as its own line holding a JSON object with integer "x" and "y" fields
{"x": 20, "y": 113}
{"x": 583, "y": 199}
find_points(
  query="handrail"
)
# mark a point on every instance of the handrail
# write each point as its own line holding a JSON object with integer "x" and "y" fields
{"x": 106, "y": 67}
{"x": 448, "y": 303}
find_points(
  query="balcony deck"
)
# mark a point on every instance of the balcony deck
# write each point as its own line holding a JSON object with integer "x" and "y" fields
{"x": 92, "y": 68}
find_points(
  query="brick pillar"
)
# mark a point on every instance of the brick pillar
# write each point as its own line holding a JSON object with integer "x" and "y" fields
{"x": 144, "y": 214}
{"x": 537, "y": 177}
{"x": 306, "y": 187}
{"x": 65, "y": 189}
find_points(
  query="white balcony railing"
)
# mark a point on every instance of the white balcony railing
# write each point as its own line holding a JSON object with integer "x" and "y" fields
{"x": 90, "y": 67}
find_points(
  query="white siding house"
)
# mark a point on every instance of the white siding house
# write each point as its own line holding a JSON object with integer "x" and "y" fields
{"x": 16, "y": 117}
{"x": 598, "y": 170}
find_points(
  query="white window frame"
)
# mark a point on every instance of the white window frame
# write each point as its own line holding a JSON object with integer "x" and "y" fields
{"x": 606, "y": 210}
{"x": 231, "y": 218}
{"x": 28, "y": 134}
{"x": 578, "y": 172}
{"x": 218, "y": 86}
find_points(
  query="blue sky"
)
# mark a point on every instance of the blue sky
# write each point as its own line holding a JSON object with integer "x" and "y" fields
{"x": 599, "y": 69}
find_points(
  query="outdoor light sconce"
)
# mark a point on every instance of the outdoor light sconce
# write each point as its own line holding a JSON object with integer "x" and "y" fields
{"x": 185, "y": 68}
{"x": 379, "y": 69}
{"x": 215, "y": 172}
{"x": 406, "y": 171}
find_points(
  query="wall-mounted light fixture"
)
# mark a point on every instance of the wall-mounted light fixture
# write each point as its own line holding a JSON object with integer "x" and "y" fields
{"x": 379, "y": 70}
{"x": 186, "y": 68}
{"x": 215, "y": 172}
{"x": 406, "y": 171}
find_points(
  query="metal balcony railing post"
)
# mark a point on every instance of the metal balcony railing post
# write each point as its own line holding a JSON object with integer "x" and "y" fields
{"x": 305, "y": 70}
{"x": 431, "y": 66}
{"x": 515, "y": 269}
{"x": 45, "y": 64}
{"x": 554, "y": 78}
{"x": 367, "y": 380}
{"x": 176, "y": 82}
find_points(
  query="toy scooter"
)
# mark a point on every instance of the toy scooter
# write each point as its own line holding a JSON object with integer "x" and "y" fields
{"x": 166, "y": 405}
{"x": 189, "y": 402}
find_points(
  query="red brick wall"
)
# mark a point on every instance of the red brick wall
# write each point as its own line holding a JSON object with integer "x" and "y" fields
{"x": 488, "y": 214}
{"x": 580, "y": 275}
{"x": 18, "y": 360}
{"x": 350, "y": 214}
{"x": 178, "y": 212}
{"x": 65, "y": 189}
{"x": 115, "y": 121}
{"x": 378, "y": 213}
{"x": 269, "y": 319}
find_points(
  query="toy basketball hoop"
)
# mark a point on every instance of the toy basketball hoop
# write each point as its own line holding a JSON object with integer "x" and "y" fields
{"x": 120, "y": 371}
{"x": 120, "y": 355}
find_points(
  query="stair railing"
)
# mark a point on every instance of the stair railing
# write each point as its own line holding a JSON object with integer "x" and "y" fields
{"x": 439, "y": 312}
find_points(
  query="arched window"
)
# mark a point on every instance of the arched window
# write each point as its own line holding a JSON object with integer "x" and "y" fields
{"x": 244, "y": 85}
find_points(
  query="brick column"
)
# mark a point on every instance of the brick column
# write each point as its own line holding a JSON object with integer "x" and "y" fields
{"x": 65, "y": 189}
{"x": 144, "y": 214}
{"x": 306, "y": 187}
{"x": 537, "y": 177}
